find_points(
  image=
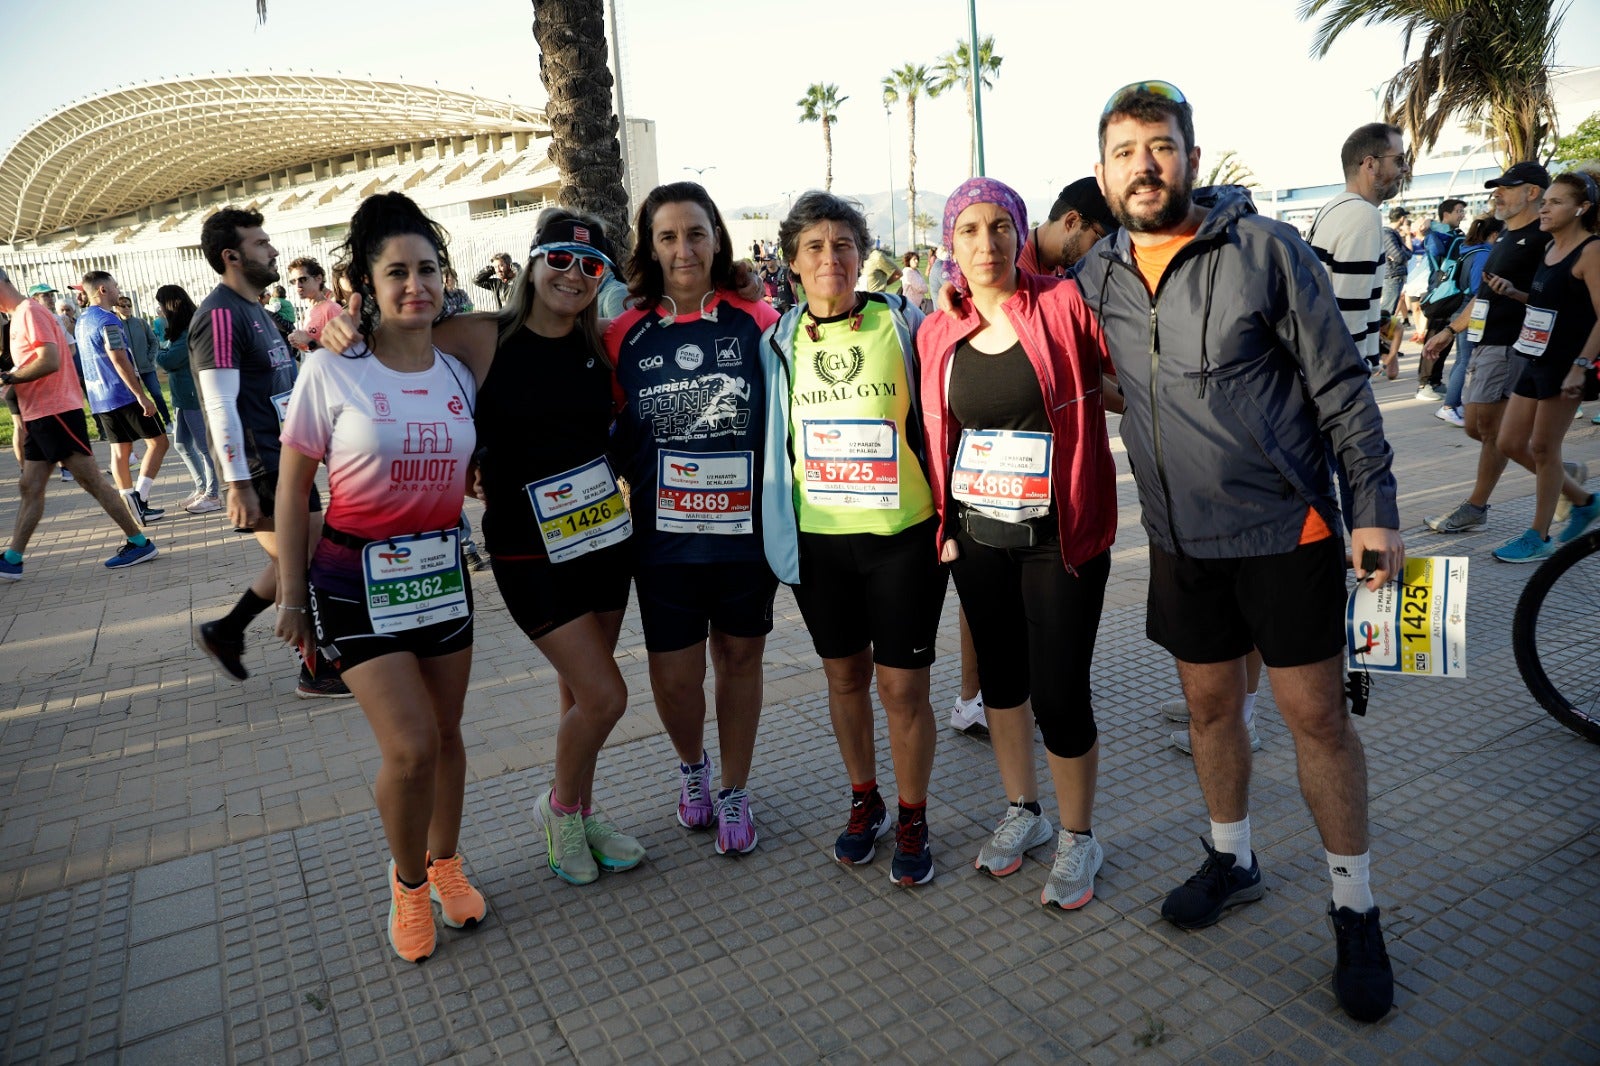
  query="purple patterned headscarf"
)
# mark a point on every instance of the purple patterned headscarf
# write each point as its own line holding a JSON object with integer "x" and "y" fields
{"x": 980, "y": 191}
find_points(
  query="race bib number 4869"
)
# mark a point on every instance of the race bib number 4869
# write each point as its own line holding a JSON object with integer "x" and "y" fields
{"x": 704, "y": 492}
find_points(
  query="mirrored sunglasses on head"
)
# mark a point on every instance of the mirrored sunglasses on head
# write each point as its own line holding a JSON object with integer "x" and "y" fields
{"x": 560, "y": 257}
{"x": 1164, "y": 89}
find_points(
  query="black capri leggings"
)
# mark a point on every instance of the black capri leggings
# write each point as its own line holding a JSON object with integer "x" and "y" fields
{"x": 1034, "y": 626}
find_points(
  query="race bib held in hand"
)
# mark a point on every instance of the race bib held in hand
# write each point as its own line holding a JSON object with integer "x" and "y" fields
{"x": 1476, "y": 319}
{"x": 1003, "y": 473}
{"x": 415, "y": 581}
{"x": 704, "y": 492}
{"x": 851, "y": 462}
{"x": 1417, "y": 625}
{"x": 580, "y": 511}
{"x": 1536, "y": 326}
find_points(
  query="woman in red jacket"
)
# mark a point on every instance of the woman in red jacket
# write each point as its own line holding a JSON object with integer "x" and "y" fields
{"x": 1020, "y": 467}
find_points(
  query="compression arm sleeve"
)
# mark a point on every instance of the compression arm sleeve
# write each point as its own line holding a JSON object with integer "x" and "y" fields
{"x": 221, "y": 390}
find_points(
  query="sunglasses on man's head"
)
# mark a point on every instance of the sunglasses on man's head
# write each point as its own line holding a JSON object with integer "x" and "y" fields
{"x": 1164, "y": 89}
{"x": 588, "y": 265}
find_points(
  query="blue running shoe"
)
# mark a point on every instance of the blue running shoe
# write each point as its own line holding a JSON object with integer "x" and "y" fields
{"x": 11, "y": 571}
{"x": 1527, "y": 548}
{"x": 1583, "y": 516}
{"x": 913, "y": 858}
{"x": 859, "y": 842}
{"x": 130, "y": 554}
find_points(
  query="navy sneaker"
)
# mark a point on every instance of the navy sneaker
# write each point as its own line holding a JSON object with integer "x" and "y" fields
{"x": 131, "y": 554}
{"x": 859, "y": 842}
{"x": 1216, "y": 886}
{"x": 10, "y": 571}
{"x": 225, "y": 650}
{"x": 913, "y": 858}
{"x": 1363, "y": 981}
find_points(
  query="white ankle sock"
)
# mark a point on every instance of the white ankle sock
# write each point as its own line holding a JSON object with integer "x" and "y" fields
{"x": 145, "y": 484}
{"x": 1249, "y": 708}
{"x": 1233, "y": 838}
{"x": 1351, "y": 884}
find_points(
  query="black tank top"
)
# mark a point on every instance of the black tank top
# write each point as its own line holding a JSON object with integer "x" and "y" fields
{"x": 545, "y": 408}
{"x": 1554, "y": 289}
{"x": 999, "y": 391}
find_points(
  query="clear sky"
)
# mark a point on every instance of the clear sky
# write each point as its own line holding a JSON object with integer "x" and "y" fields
{"x": 721, "y": 77}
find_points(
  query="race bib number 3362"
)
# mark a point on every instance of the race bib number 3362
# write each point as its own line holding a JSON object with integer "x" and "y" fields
{"x": 416, "y": 581}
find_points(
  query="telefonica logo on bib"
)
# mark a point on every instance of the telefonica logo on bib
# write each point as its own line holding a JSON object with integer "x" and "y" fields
{"x": 690, "y": 357}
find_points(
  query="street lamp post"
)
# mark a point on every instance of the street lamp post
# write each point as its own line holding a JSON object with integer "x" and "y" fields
{"x": 888, "y": 122}
{"x": 977, "y": 82}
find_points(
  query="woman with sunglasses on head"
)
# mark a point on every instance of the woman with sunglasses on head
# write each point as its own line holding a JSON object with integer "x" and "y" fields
{"x": 385, "y": 594}
{"x": 692, "y": 401}
{"x": 1021, "y": 473}
{"x": 847, "y": 516}
{"x": 554, "y": 519}
{"x": 1561, "y": 338}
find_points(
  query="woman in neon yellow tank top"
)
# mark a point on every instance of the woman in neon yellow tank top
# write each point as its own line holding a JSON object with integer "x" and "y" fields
{"x": 847, "y": 517}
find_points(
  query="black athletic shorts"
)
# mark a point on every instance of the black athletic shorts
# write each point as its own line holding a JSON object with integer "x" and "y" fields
{"x": 1290, "y": 606}
{"x": 344, "y": 629}
{"x": 265, "y": 482}
{"x": 1542, "y": 379}
{"x": 543, "y": 596}
{"x": 54, "y": 438}
{"x": 126, "y": 424}
{"x": 860, "y": 590}
{"x": 680, "y": 603}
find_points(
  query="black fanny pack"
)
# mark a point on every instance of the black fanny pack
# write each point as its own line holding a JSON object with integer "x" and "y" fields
{"x": 993, "y": 533}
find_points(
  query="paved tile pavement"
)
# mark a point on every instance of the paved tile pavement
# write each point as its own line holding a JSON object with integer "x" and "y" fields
{"x": 191, "y": 870}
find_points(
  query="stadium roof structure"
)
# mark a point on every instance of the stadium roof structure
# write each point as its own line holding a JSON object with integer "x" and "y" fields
{"x": 145, "y": 144}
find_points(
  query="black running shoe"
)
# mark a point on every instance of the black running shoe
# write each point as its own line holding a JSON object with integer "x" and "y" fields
{"x": 1216, "y": 886}
{"x": 1363, "y": 981}
{"x": 324, "y": 685}
{"x": 224, "y": 650}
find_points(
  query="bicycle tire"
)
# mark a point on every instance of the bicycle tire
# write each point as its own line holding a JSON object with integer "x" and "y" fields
{"x": 1572, "y": 695}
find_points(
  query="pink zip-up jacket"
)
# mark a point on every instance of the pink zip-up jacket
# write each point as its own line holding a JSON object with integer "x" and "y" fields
{"x": 1063, "y": 342}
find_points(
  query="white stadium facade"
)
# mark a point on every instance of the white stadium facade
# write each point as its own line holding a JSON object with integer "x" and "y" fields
{"x": 122, "y": 181}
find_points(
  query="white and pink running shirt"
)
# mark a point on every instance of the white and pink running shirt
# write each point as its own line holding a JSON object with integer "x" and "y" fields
{"x": 396, "y": 445}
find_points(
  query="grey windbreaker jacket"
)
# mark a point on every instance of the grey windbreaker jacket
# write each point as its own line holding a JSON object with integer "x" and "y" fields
{"x": 1242, "y": 384}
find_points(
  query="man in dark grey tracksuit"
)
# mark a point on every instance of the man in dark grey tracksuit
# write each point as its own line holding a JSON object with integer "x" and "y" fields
{"x": 1239, "y": 377}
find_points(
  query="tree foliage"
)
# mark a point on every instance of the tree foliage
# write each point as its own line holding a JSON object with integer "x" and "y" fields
{"x": 1229, "y": 169}
{"x": 905, "y": 84}
{"x": 821, "y": 104}
{"x": 1582, "y": 144}
{"x": 1475, "y": 60}
{"x": 954, "y": 68}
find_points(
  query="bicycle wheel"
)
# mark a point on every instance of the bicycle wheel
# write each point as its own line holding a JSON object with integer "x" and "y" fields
{"x": 1555, "y": 634}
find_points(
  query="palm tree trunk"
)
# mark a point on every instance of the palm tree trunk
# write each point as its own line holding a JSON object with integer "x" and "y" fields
{"x": 911, "y": 166}
{"x": 571, "y": 35}
{"x": 827, "y": 149}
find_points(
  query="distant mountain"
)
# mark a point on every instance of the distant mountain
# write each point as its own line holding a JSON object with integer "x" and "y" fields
{"x": 876, "y": 206}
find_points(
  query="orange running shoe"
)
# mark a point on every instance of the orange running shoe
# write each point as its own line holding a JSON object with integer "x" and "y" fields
{"x": 411, "y": 931}
{"x": 460, "y": 904}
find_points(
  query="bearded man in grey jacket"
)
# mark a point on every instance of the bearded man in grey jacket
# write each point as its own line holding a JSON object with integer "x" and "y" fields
{"x": 1240, "y": 377}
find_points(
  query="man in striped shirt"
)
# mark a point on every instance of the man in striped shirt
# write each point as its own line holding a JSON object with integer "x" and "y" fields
{"x": 1347, "y": 233}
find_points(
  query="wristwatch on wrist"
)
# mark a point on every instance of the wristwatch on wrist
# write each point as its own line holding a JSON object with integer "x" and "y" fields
{"x": 7, "y": 378}
{"x": 1587, "y": 364}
